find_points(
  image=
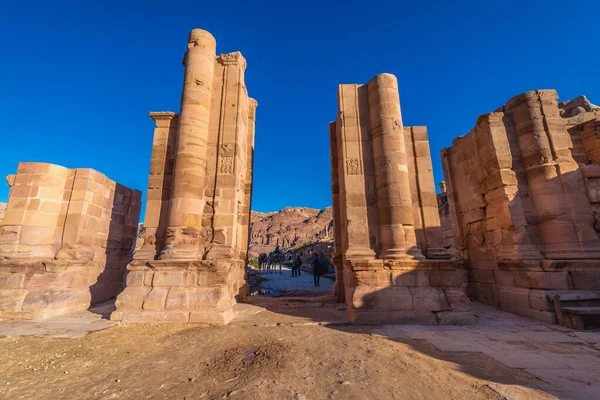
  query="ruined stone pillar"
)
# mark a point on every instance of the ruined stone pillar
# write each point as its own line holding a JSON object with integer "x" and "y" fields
{"x": 337, "y": 258}
{"x": 185, "y": 236}
{"x": 247, "y": 187}
{"x": 159, "y": 185}
{"x": 396, "y": 220}
{"x": 555, "y": 184}
{"x": 31, "y": 226}
{"x": 231, "y": 152}
{"x": 354, "y": 154}
{"x": 425, "y": 211}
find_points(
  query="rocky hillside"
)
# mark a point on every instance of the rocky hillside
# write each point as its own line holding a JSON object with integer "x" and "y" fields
{"x": 289, "y": 228}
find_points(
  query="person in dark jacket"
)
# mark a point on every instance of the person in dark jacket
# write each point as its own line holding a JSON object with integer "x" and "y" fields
{"x": 317, "y": 269}
{"x": 296, "y": 266}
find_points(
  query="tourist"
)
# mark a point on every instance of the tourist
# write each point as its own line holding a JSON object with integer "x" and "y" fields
{"x": 317, "y": 269}
{"x": 298, "y": 265}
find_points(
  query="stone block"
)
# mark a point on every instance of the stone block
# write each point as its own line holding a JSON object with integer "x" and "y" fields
{"x": 156, "y": 299}
{"x": 542, "y": 280}
{"x": 11, "y": 300}
{"x": 154, "y": 317}
{"x": 134, "y": 278}
{"x": 514, "y": 296}
{"x": 198, "y": 298}
{"x": 12, "y": 280}
{"x": 132, "y": 298}
{"x": 447, "y": 278}
{"x": 148, "y": 277}
{"x": 428, "y": 299}
{"x": 50, "y": 301}
{"x": 59, "y": 280}
{"x": 378, "y": 278}
{"x": 504, "y": 278}
{"x": 483, "y": 276}
{"x": 174, "y": 278}
{"x": 539, "y": 301}
{"x": 364, "y": 297}
{"x": 410, "y": 278}
{"x": 457, "y": 299}
{"x": 585, "y": 280}
{"x": 394, "y": 299}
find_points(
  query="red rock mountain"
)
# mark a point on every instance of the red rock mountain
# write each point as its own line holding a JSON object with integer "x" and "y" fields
{"x": 288, "y": 228}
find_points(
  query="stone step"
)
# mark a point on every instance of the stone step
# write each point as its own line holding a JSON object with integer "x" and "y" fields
{"x": 582, "y": 318}
{"x": 582, "y": 310}
{"x": 573, "y": 295}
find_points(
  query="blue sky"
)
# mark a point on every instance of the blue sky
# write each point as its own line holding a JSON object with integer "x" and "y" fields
{"x": 77, "y": 79}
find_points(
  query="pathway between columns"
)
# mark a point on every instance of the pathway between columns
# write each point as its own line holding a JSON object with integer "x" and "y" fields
{"x": 276, "y": 284}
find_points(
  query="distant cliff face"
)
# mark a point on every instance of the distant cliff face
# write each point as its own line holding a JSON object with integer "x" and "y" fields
{"x": 290, "y": 227}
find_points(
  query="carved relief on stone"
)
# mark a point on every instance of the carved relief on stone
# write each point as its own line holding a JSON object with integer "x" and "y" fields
{"x": 226, "y": 165}
{"x": 227, "y": 150}
{"x": 353, "y": 166}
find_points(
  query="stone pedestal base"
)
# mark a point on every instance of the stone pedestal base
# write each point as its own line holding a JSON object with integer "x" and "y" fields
{"x": 179, "y": 291}
{"x": 41, "y": 289}
{"x": 411, "y": 291}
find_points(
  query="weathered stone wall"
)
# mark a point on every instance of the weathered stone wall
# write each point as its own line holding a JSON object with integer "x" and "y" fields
{"x": 388, "y": 239}
{"x": 65, "y": 241}
{"x": 192, "y": 264}
{"x": 520, "y": 207}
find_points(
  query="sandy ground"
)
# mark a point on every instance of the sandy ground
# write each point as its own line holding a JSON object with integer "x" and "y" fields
{"x": 262, "y": 355}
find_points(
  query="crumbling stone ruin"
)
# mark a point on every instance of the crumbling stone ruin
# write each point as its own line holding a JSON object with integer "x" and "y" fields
{"x": 516, "y": 224}
{"x": 390, "y": 262}
{"x": 65, "y": 240}
{"x": 192, "y": 264}
{"x": 523, "y": 199}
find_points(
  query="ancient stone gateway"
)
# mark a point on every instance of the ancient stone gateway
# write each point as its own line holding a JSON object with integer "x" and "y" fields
{"x": 389, "y": 257}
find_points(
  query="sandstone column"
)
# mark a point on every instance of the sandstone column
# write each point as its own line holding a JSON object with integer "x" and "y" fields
{"x": 352, "y": 134}
{"x": 337, "y": 258}
{"x": 231, "y": 152}
{"x": 185, "y": 235}
{"x": 159, "y": 185}
{"x": 396, "y": 221}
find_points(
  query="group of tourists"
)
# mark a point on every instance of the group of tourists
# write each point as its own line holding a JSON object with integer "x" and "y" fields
{"x": 276, "y": 258}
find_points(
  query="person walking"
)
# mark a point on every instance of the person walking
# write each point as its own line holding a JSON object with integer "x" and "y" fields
{"x": 298, "y": 265}
{"x": 317, "y": 269}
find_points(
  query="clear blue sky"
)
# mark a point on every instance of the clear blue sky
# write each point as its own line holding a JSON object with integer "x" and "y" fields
{"x": 77, "y": 79}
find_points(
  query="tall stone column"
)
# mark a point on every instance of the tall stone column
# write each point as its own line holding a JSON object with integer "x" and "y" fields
{"x": 231, "y": 153}
{"x": 354, "y": 154}
{"x": 337, "y": 258}
{"x": 398, "y": 240}
{"x": 185, "y": 235}
{"x": 158, "y": 196}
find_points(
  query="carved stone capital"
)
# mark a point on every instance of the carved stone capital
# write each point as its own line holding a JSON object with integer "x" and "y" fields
{"x": 235, "y": 58}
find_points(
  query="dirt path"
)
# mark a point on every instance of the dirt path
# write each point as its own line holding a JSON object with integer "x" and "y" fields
{"x": 249, "y": 361}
